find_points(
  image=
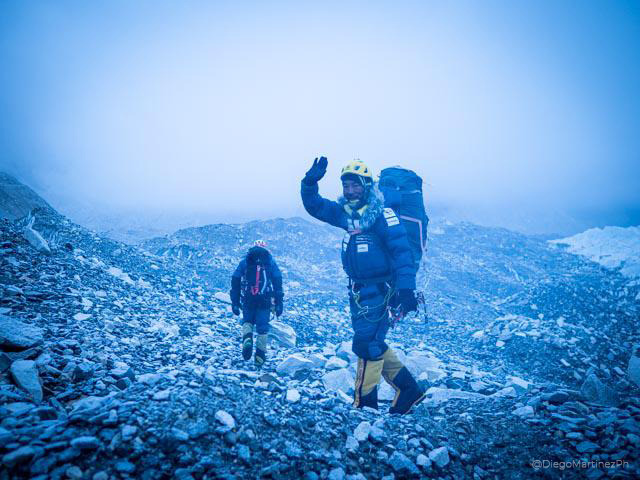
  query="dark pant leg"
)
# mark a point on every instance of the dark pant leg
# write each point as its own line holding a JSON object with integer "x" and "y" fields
{"x": 262, "y": 316}
{"x": 370, "y": 323}
{"x": 248, "y": 314}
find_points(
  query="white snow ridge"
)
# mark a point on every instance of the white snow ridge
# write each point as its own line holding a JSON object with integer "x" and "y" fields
{"x": 611, "y": 247}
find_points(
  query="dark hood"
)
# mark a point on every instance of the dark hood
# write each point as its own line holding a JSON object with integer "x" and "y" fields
{"x": 258, "y": 255}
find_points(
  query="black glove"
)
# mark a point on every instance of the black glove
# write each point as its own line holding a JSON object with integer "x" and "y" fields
{"x": 279, "y": 302}
{"x": 407, "y": 299}
{"x": 235, "y": 308}
{"x": 317, "y": 171}
{"x": 234, "y": 293}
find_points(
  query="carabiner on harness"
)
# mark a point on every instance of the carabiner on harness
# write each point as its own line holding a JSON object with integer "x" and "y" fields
{"x": 395, "y": 315}
{"x": 364, "y": 310}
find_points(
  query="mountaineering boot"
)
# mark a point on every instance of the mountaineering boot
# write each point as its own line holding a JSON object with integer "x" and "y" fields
{"x": 261, "y": 350}
{"x": 408, "y": 393}
{"x": 366, "y": 387}
{"x": 247, "y": 340}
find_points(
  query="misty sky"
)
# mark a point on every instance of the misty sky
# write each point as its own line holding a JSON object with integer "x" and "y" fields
{"x": 221, "y": 106}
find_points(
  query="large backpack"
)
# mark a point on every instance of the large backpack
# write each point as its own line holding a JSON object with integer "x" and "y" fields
{"x": 402, "y": 190}
{"x": 257, "y": 279}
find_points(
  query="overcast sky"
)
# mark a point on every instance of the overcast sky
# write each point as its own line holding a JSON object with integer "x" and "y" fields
{"x": 221, "y": 106}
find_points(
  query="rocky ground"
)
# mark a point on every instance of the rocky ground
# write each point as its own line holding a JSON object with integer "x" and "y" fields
{"x": 119, "y": 362}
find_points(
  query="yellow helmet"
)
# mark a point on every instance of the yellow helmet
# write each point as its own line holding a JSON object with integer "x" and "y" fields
{"x": 358, "y": 167}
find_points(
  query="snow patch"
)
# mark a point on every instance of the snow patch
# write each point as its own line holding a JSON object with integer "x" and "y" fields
{"x": 611, "y": 247}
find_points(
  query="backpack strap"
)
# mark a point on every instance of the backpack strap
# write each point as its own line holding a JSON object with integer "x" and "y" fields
{"x": 265, "y": 284}
{"x": 256, "y": 287}
{"x": 261, "y": 274}
{"x": 423, "y": 241}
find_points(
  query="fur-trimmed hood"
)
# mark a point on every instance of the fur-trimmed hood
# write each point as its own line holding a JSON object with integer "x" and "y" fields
{"x": 375, "y": 200}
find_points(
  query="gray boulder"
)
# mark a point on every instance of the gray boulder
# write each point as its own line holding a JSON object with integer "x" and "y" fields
{"x": 25, "y": 375}
{"x": 377, "y": 434}
{"x": 336, "y": 362}
{"x": 521, "y": 386}
{"x": 505, "y": 392}
{"x": 557, "y": 398}
{"x": 440, "y": 456}
{"x": 336, "y": 474}
{"x": 352, "y": 444}
{"x": 294, "y": 363}
{"x": 418, "y": 363}
{"x": 402, "y": 465}
{"x": 149, "y": 378}
{"x": 282, "y": 333}
{"x": 85, "y": 443}
{"x": 36, "y": 240}
{"x": 318, "y": 360}
{"x": 593, "y": 390}
{"x": 361, "y": 433}
{"x": 344, "y": 352}
{"x": 436, "y": 396}
{"x": 340, "y": 379}
{"x": 223, "y": 297}
{"x": 225, "y": 419}
{"x": 524, "y": 412}
{"x": 423, "y": 461}
{"x": 18, "y": 456}
{"x": 16, "y": 335}
{"x": 90, "y": 405}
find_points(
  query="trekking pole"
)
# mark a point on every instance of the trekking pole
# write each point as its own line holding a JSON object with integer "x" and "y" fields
{"x": 425, "y": 284}
{"x": 422, "y": 304}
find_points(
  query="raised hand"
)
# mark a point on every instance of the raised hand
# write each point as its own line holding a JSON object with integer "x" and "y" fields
{"x": 317, "y": 171}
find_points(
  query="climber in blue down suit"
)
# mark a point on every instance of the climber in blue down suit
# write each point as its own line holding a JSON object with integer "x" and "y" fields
{"x": 382, "y": 276}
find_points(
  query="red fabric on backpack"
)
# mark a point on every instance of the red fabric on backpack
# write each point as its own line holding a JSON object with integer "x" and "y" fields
{"x": 256, "y": 288}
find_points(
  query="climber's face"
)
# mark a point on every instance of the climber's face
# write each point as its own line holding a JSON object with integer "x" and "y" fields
{"x": 352, "y": 190}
